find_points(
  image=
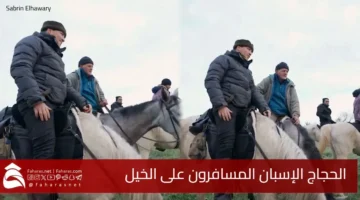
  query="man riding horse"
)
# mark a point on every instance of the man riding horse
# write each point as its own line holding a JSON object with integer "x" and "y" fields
{"x": 324, "y": 113}
{"x": 280, "y": 93}
{"x": 84, "y": 81}
{"x": 231, "y": 89}
{"x": 38, "y": 71}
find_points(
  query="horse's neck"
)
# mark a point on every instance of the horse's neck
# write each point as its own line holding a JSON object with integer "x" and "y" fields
{"x": 136, "y": 124}
{"x": 285, "y": 147}
{"x": 185, "y": 123}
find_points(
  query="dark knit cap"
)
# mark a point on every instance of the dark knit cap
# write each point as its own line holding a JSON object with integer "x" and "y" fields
{"x": 166, "y": 81}
{"x": 281, "y": 65}
{"x": 356, "y": 93}
{"x": 243, "y": 43}
{"x": 53, "y": 25}
{"x": 85, "y": 60}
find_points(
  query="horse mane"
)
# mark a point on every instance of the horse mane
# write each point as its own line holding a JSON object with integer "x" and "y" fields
{"x": 133, "y": 109}
{"x": 95, "y": 134}
{"x": 309, "y": 144}
{"x": 100, "y": 139}
{"x": 139, "y": 108}
{"x": 287, "y": 148}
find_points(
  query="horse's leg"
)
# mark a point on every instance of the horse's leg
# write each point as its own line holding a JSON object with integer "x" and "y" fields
{"x": 266, "y": 196}
{"x": 155, "y": 196}
{"x": 182, "y": 155}
{"x": 200, "y": 196}
{"x": 340, "y": 152}
{"x": 141, "y": 196}
{"x": 144, "y": 153}
{"x": 145, "y": 147}
{"x": 341, "y": 146}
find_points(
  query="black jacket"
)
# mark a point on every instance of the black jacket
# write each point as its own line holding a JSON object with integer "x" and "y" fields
{"x": 116, "y": 105}
{"x": 229, "y": 80}
{"x": 38, "y": 71}
{"x": 324, "y": 113}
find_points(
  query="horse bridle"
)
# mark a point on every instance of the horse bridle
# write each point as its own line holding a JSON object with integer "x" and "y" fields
{"x": 173, "y": 120}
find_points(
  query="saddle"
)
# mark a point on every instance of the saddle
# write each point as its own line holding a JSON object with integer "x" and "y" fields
{"x": 201, "y": 123}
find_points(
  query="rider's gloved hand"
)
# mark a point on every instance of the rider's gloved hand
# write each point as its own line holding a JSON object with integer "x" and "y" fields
{"x": 295, "y": 119}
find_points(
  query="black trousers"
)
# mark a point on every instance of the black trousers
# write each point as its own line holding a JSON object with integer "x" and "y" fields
{"x": 231, "y": 141}
{"x": 40, "y": 133}
{"x": 40, "y": 140}
{"x": 230, "y": 134}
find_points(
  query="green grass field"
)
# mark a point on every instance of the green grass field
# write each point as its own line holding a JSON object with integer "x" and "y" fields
{"x": 174, "y": 154}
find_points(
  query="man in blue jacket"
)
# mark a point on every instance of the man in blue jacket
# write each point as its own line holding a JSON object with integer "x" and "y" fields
{"x": 84, "y": 81}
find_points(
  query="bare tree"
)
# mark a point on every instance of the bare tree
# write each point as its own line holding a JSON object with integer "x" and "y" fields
{"x": 345, "y": 117}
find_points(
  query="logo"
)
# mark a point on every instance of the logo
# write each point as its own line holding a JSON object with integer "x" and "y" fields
{"x": 12, "y": 170}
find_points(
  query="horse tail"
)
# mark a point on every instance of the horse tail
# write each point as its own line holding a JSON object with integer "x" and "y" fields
{"x": 325, "y": 137}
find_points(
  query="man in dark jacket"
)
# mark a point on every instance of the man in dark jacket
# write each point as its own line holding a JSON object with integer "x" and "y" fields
{"x": 156, "y": 90}
{"x": 231, "y": 89}
{"x": 324, "y": 112}
{"x": 117, "y": 103}
{"x": 38, "y": 71}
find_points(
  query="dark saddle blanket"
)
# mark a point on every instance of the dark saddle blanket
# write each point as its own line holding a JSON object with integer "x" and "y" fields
{"x": 13, "y": 127}
{"x": 356, "y": 125}
{"x": 206, "y": 124}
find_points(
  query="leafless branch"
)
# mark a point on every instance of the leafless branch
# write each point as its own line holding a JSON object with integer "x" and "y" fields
{"x": 345, "y": 117}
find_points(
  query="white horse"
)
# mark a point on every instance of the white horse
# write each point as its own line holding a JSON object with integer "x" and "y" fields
{"x": 267, "y": 136}
{"x": 156, "y": 137}
{"x": 342, "y": 137}
{"x": 105, "y": 142}
{"x": 99, "y": 139}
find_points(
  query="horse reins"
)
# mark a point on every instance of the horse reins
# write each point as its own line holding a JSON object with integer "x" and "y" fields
{"x": 77, "y": 136}
{"x": 252, "y": 136}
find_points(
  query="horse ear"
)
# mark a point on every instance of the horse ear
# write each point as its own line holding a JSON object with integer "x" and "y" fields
{"x": 176, "y": 92}
{"x": 164, "y": 94}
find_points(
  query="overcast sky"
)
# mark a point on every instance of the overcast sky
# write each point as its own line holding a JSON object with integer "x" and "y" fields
{"x": 318, "y": 39}
{"x": 135, "y": 44}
